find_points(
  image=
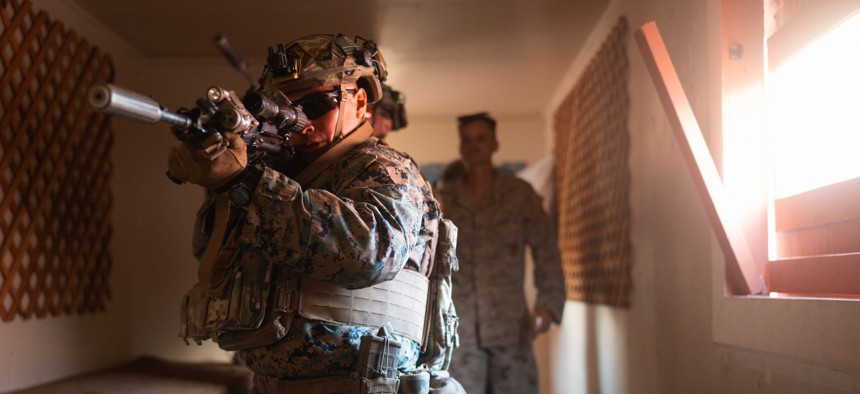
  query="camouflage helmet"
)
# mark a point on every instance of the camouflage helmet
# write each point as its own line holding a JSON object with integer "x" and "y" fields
{"x": 326, "y": 60}
{"x": 392, "y": 105}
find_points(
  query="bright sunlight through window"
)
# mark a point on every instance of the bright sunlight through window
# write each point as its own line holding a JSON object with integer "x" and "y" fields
{"x": 814, "y": 113}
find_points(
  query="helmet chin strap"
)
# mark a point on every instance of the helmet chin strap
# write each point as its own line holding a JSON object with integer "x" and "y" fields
{"x": 338, "y": 129}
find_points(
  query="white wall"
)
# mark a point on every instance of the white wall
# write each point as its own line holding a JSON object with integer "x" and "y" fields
{"x": 39, "y": 350}
{"x": 154, "y": 218}
{"x": 680, "y": 334}
{"x": 152, "y": 221}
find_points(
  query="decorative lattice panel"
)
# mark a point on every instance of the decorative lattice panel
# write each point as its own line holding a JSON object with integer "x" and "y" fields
{"x": 55, "y": 169}
{"x": 593, "y": 178}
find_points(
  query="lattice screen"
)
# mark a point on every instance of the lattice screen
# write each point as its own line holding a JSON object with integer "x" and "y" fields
{"x": 593, "y": 178}
{"x": 55, "y": 169}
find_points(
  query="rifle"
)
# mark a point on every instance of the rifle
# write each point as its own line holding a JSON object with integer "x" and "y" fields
{"x": 264, "y": 121}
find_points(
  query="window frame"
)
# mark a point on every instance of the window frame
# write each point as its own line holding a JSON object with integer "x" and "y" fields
{"x": 803, "y": 244}
{"x": 815, "y": 251}
{"x": 787, "y": 325}
{"x": 817, "y": 330}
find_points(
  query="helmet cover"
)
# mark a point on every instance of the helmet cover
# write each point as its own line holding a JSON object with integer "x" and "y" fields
{"x": 326, "y": 60}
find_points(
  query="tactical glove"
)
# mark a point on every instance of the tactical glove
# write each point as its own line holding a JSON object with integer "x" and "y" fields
{"x": 189, "y": 163}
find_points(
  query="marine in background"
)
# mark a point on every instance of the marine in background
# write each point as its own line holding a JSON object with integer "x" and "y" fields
{"x": 498, "y": 217}
{"x": 389, "y": 113}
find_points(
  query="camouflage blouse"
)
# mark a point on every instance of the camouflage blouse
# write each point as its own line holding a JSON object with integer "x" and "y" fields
{"x": 366, "y": 216}
{"x": 493, "y": 235}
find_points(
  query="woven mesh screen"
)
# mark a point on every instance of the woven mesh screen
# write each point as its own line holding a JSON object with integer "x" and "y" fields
{"x": 55, "y": 169}
{"x": 593, "y": 178}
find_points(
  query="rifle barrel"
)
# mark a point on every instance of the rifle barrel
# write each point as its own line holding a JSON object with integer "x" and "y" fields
{"x": 114, "y": 100}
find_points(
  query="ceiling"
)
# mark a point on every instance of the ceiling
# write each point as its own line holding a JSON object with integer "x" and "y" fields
{"x": 447, "y": 56}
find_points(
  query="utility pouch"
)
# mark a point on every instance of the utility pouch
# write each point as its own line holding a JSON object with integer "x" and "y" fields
{"x": 192, "y": 314}
{"x": 441, "y": 318}
{"x": 280, "y": 298}
{"x": 415, "y": 383}
{"x": 377, "y": 363}
{"x": 248, "y": 295}
{"x": 238, "y": 293}
{"x": 235, "y": 299}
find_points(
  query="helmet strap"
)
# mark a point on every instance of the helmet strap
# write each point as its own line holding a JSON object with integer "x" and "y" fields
{"x": 338, "y": 129}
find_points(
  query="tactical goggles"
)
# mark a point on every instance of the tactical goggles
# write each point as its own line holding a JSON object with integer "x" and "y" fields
{"x": 315, "y": 105}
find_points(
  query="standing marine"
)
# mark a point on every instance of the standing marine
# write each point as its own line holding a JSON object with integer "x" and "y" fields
{"x": 322, "y": 270}
{"x": 498, "y": 217}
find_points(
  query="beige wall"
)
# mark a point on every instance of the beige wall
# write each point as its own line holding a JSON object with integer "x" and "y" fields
{"x": 664, "y": 343}
{"x": 681, "y": 335}
{"x": 152, "y": 221}
{"x": 39, "y": 350}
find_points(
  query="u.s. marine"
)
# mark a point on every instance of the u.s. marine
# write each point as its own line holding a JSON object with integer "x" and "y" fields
{"x": 320, "y": 250}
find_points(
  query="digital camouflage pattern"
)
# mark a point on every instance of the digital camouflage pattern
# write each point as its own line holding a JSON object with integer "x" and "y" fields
{"x": 373, "y": 216}
{"x": 488, "y": 289}
{"x": 330, "y": 60}
{"x": 496, "y": 370}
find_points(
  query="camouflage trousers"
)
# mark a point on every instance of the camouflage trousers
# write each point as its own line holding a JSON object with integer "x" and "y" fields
{"x": 495, "y": 370}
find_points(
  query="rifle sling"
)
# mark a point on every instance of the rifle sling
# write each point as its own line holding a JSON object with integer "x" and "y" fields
{"x": 216, "y": 239}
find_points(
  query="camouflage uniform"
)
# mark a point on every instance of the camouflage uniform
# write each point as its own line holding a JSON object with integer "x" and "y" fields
{"x": 373, "y": 215}
{"x": 495, "y": 337}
